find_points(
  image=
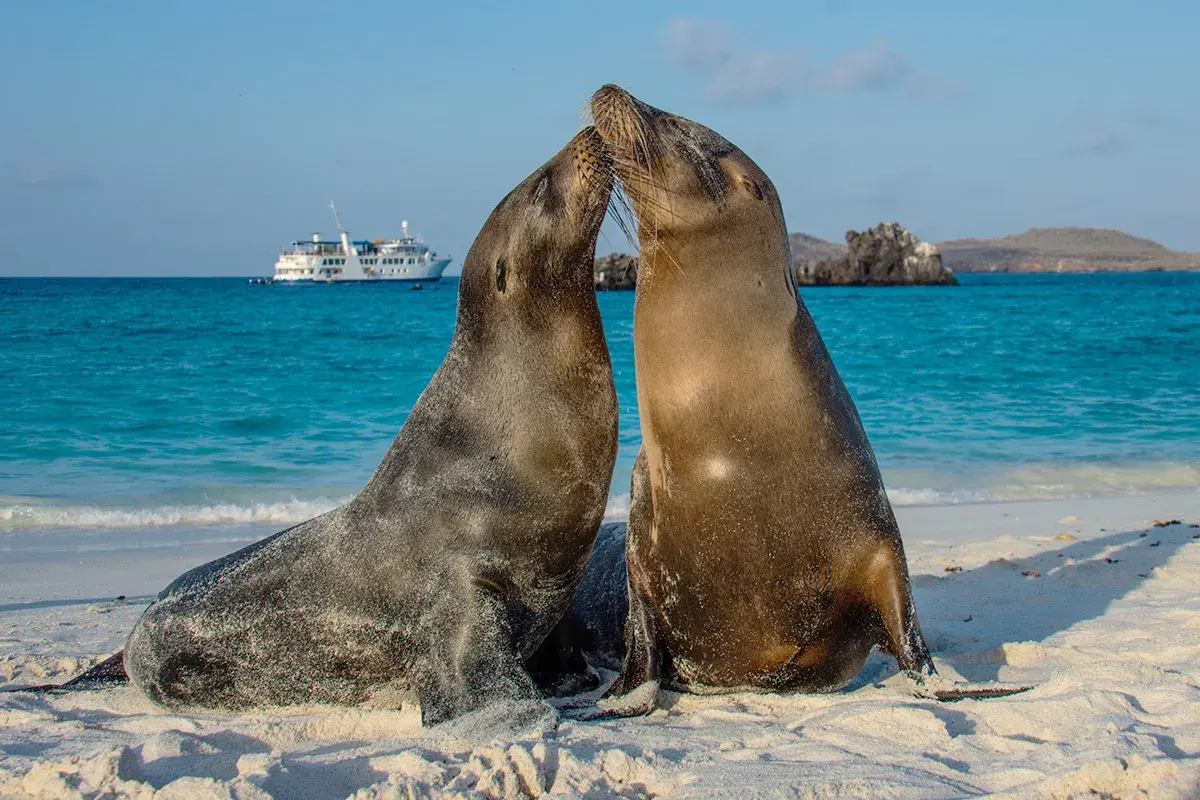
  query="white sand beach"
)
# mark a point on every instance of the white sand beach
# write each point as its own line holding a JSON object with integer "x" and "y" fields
{"x": 1087, "y": 599}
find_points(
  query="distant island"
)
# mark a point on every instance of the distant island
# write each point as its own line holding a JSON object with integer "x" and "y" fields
{"x": 1066, "y": 250}
{"x": 1036, "y": 250}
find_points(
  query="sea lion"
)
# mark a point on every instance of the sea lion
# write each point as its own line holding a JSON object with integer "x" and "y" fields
{"x": 460, "y": 555}
{"x": 762, "y": 550}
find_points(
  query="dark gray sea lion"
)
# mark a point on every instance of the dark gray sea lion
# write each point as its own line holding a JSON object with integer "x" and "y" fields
{"x": 762, "y": 550}
{"x": 463, "y": 551}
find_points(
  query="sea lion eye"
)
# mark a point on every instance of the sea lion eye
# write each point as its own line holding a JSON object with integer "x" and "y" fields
{"x": 751, "y": 187}
{"x": 501, "y": 275}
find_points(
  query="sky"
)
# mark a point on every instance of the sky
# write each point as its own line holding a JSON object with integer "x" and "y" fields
{"x": 181, "y": 139}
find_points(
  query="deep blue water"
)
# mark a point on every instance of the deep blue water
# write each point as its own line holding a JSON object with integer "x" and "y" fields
{"x": 128, "y": 402}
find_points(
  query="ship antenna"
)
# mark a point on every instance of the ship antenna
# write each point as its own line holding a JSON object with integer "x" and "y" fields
{"x": 336, "y": 218}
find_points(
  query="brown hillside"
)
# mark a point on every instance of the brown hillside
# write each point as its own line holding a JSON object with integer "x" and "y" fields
{"x": 809, "y": 249}
{"x": 1064, "y": 250}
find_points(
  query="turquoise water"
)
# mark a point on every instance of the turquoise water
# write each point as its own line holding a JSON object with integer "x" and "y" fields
{"x": 127, "y": 403}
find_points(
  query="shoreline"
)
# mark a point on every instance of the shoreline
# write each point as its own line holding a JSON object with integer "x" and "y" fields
{"x": 32, "y": 557}
{"x": 1083, "y": 598}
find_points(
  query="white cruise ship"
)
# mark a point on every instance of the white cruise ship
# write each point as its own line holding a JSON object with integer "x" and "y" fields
{"x": 322, "y": 261}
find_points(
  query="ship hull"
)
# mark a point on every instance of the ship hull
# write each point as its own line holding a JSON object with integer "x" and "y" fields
{"x": 349, "y": 281}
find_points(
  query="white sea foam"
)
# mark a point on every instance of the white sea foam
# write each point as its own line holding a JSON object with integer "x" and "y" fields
{"x": 1032, "y": 482}
{"x": 16, "y": 515}
{"x": 1057, "y": 482}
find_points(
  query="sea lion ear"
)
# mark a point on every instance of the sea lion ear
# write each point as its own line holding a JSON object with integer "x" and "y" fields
{"x": 539, "y": 193}
{"x": 752, "y": 188}
{"x": 501, "y": 275}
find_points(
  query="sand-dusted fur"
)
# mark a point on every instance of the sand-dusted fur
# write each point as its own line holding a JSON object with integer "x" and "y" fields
{"x": 462, "y": 553}
{"x": 762, "y": 551}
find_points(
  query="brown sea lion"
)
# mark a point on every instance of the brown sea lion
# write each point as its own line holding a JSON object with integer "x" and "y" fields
{"x": 762, "y": 550}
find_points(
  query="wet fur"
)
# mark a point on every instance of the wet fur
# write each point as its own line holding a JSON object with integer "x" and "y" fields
{"x": 463, "y": 551}
{"x": 762, "y": 551}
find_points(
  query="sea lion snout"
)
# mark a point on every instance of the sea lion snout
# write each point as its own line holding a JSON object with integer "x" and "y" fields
{"x": 591, "y": 177}
{"x": 619, "y": 119}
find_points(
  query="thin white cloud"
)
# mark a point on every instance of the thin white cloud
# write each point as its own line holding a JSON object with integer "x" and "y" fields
{"x": 758, "y": 76}
{"x": 872, "y": 69}
{"x": 698, "y": 43}
{"x": 749, "y": 76}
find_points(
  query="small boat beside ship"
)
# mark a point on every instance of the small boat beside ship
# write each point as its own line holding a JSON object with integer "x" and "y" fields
{"x": 347, "y": 261}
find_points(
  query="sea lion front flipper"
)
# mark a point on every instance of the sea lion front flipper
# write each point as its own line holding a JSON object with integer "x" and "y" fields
{"x": 893, "y": 602}
{"x": 635, "y": 691}
{"x": 109, "y": 672}
{"x": 951, "y": 692}
{"x": 472, "y": 661}
{"x": 887, "y": 587}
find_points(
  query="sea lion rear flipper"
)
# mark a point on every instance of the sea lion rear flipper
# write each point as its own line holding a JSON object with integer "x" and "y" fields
{"x": 472, "y": 660}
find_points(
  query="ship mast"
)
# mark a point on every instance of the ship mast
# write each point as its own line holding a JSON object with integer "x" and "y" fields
{"x": 352, "y": 261}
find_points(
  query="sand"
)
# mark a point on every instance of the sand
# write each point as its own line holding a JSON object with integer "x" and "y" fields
{"x": 1084, "y": 598}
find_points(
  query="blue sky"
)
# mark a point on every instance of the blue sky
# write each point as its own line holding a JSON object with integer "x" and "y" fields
{"x": 162, "y": 138}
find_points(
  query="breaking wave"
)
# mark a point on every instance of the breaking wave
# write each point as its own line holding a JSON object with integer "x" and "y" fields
{"x": 1055, "y": 482}
{"x": 1031, "y": 482}
{"x": 33, "y": 515}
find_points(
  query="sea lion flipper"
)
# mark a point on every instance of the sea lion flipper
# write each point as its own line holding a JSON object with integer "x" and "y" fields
{"x": 109, "y": 672}
{"x": 472, "y": 660}
{"x": 635, "y": 691}
{"x": 891, "y": 595}
{"x": 948, "y": 691}
{"x": 966, "y": 691}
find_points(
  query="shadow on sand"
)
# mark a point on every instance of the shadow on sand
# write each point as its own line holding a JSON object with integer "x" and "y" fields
{"x": 37, "y": 605}
{"x": 968, "y": 616}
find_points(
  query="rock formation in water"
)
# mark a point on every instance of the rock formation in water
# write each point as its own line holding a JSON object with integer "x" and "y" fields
{"x": 616, "y": 271}
{"x": 887, "y": 255}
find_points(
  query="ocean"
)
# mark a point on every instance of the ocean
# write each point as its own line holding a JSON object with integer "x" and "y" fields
{"x": 146, "y": 403}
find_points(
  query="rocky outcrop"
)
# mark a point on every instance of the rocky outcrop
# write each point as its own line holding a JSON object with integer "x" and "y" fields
{"x": 887, "y": 255}
{"x": 616, "y": 271}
